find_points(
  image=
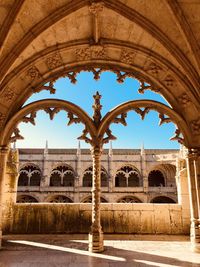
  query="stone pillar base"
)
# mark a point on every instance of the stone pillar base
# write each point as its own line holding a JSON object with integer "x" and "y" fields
{"x": 96, "y": 242}
{"x": 195, "y": 237}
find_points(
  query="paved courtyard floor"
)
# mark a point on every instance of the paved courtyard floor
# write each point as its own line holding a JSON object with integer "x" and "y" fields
{"x": 120, "y": 251}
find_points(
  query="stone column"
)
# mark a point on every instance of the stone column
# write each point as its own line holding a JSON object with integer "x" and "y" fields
{"x": 110, "y": 169}
{"x": 77, "y": 178}
{"x": 193, "y": 185}
{"x": 96, "y": 233}
{"x": 144, "y": 170}
{"x": 3, "y": 160}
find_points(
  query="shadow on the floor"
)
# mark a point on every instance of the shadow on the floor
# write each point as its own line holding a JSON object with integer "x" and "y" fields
{"x": 78, "y": 250}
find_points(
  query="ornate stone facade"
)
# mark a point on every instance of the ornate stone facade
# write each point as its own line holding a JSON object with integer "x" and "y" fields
{"x": 127, "y": 175}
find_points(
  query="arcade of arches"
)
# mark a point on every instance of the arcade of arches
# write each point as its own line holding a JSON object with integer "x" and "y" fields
{"x": 156, "y": 42}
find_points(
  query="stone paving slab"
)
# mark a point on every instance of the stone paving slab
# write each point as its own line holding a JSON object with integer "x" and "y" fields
{"x": 120, "y": 251}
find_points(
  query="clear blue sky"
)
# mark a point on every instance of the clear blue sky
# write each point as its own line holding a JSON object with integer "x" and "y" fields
{"x": 132, "y": 136}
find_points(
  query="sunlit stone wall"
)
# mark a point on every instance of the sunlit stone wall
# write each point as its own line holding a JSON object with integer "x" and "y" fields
{"x": 76, "y": 218}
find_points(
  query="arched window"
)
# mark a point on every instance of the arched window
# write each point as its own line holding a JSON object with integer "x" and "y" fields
{"x": 129, "y": 199}
{"x": 156, "y": 178}
{"x": 62, "y": 176}
{"x": 26, "y": 199}
{"x": 87, "y": 177}
{"x": 127, "y": 176}
{"x": 162, "y": 199}
{"x": 30, "y": 175}
{"x": 60, "y": 199}
{"x": 23, "y": 178}
{"x": 89, "y": 200}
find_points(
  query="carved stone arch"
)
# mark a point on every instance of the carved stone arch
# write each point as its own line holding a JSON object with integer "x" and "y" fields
{"x": 23, "y": 165}
{"x": 168, "y": 171}
{"x": 166, "y": 115}
{"x": 157, "y": 70}
{"x": 127, "y": 175}
{"x": 46, "y": 105}
{"x": 26, "y": 199}
{"x": 86, "y": 179}
{"x": 59, "y": 198}
{"x": 88, "y": 199}
{"x": 129, "y": 199}
{"x": 162, "y": 199}
{"x": 184, "y": 98}
{"x": 121, "y": 9}
{"x": 29, "y": 175}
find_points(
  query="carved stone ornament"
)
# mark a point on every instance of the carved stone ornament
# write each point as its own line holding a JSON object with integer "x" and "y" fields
{"x": 48, "y": 86}
{"x": 127, "y": 56}
{"x": 109, "y": 137}
{"x": 145, "y": 86}
{"x": 33, "y": 73}
{"x": 52, "y": 112}
{"x": 92, "y": 52}
{"x": 95, "y": 8}
{"x": 97, "y": 108}
{"x": 2, "y": 119}
{"x": 154, "y": 68}
{"x": 16, "y": 136}
{"x": 169, "y": 81}
{"x": 30, "y": 118}
{"x": 177, "y": 137}
{"x": 163, "y": 119}
{"x": 142, "y": 112}
{"x": 184, "y": 99}
{"x": 8, "y": 95}
{"x": 85, "y": 137}
{"x": 195, "y": 126}
{"x": 54, "y": 61}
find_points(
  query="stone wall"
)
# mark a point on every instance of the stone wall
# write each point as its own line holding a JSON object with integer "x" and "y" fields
{"x": 29, "y": 218}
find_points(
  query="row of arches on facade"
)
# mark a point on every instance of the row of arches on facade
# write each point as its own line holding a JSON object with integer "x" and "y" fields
{"x": 65, "y": 199}
{"x": 126, "y": 176}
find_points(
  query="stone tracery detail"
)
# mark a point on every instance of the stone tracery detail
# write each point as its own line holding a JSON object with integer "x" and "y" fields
{"x": 154, "y": 68}
{"x": 195, "y": 126}
{"x": 163, "y": 119}
{"x": 184, "y": 99}
{"x": 143, "y": 112}
{"x": 30, "y": 118}
{"x": 8, "y": 95}
{"x": 169, "y": 81}
{"x": 49, "y": 87}
{"x": 54, "y": 61}
{"x": 52, "y": 112}
{"x": 121, "y": 119}
{"x": 127, "y": 56}
{"x": 33, "y": 73}
{"x": 16, "y": 136}
{"x": 177, "y": 136}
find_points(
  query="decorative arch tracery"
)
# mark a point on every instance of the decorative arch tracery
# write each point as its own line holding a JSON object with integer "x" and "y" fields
{"x": 129, "y": 199}
{"x": 29, "y": 175}
{"x": 62, "y": 175}
{"x": 89, "y": 200}
{"x": 162, "y": 175}
{"x": 59, "y": 199}
{"x": 128, "y": 176}
{"x": 26, "y": 199}
{"x": 87, "y": 177}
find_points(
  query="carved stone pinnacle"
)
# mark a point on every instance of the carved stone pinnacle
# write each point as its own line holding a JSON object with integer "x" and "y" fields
{"x": 97, "y": 108}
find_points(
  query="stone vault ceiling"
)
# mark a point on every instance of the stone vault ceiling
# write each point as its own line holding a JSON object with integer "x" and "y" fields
{"x": 166, "y": 32}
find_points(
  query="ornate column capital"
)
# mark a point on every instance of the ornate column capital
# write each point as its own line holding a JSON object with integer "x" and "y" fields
{"x": 193, "y": 153}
